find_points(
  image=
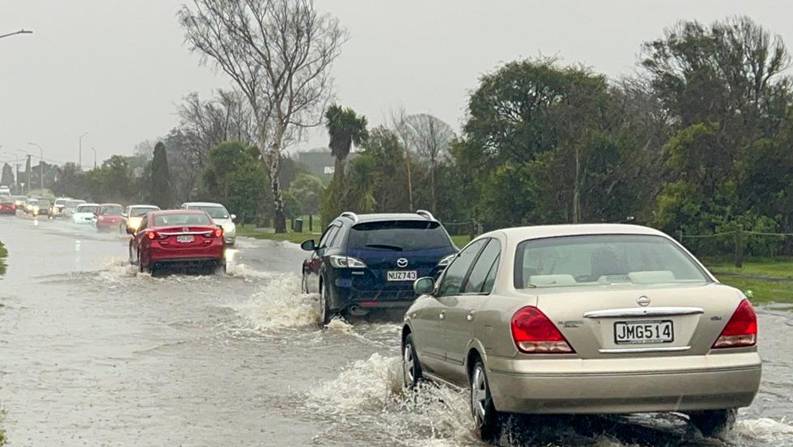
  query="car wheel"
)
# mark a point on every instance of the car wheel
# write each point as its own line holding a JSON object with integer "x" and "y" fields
{"x": 132, "y": 261}
{"x": 325, "y": 314}
{"x": 487, "y": 421}
{"x": 411, "y": 368}
{"x": 304, "y": 283}
{"x": 140, "y": 262}
{"x": 713, "y": 422}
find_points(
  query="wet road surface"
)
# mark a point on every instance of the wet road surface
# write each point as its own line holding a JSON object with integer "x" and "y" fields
{"x": 93, "y": 353}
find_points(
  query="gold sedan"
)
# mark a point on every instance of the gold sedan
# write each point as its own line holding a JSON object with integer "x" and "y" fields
{"x": 584, "y": 319}
{"x": 134, "y": 215}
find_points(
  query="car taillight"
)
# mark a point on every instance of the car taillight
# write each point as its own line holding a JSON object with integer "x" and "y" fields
{"x": 534, "y": 333}
{"x": 151, "y": 235}
{"x": 741, "y": 330}
{"x": 218, "y": 232}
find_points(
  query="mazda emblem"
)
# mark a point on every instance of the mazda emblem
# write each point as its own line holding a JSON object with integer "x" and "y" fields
{"x": 643, "y": 301}
{"x": 402, "y": 263}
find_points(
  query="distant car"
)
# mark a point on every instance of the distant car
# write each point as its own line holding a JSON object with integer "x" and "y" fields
{"x": 56, "y": 210}
{"x": 369, "y": 261}
{"x": 109, "y": 217}
{"x": 7, "y": 205}
{"x": 584, "y": 319}
{"x": 30, "y": 202}
{"x": 85, "y": 213}
{"x": 41, "y": 207}
{"x": 5, "y": 191}
{"x": 177, "y": 237}
{"x": 71, "y": 205}
{"x": 219, "y": 215}
{"x": 134, "y": 215}
{"x": 19, "y": 201}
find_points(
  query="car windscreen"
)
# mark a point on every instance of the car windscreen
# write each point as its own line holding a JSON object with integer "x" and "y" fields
{"x": 610, "y": 259}
{"x": 42, "y": 203}
{"x": 182, "y": 219}
{"x": 87, "y": 209}
{"x": 111, "y": 211}
{"x": 398, "y": 235}
{"x": 140, "y": 211}
{"x": 215, "y": 212}
{"x": 6, "y": 199}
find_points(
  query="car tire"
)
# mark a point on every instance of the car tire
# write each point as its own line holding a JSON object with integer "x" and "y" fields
{"x": 132, "y": 261}
{"x": 713, "y": 422}
{"x": 140, "y": 262}
{"x": 411, "y": 368}
{"x": 487, "y": 420}
{"x": 303, "y": 283}
{"x": 325, "y": 314}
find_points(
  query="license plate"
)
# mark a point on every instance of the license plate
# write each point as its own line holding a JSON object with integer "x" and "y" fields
{"x": 402, "y": 275}
{"x": 184, "y": 239}
{"x": 643, "y": 332}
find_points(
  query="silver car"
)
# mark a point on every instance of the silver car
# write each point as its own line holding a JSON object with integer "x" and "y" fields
{"x": 584, "y": 319}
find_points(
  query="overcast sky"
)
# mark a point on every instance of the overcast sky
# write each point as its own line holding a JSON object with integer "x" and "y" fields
{"x": 117, "y": 69}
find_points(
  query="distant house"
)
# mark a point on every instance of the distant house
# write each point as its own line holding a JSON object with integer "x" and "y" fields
{"x": 317, "y": 161}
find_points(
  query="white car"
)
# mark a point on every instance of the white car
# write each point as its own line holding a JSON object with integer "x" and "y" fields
{"x": 57, "y": 207}
{"x": 220, "y": 216}
{"x": 85, "y": 213}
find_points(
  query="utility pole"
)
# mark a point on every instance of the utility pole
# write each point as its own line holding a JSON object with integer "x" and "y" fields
{"x": 27, "y": 169}
{"x": 41, "y": 164}
{"x": 80, "y": 153}
{"x": 94, "y": 149}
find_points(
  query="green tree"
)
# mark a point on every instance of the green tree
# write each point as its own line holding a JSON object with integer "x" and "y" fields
{"x": 345, "y": 128}
{"x": 235, "y": 177}
{"x": 7, "y": 178}
{"x": 160, "y": 189}
{"x": 305, "y": 192}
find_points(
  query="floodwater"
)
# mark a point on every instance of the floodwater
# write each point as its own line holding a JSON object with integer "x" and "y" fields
{"x": 93, "y": 353}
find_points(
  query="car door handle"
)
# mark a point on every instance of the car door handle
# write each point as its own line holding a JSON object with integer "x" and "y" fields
{"x": 442, "y": 315}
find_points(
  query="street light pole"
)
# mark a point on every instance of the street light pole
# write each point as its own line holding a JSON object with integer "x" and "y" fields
{"x": 94, "y": 149}
{"x": 22, "y": 31}
{"x": 41, "y": 164}
{"x": 80, "y": 154}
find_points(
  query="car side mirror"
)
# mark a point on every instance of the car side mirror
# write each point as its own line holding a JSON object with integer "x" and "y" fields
{"x": 309, "y": 245}
{"x": 424, "y": 286}
{"x": 233, "y": 217}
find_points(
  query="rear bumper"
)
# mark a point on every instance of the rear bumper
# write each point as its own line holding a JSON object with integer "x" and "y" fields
{"x": 187, "y": 256}
{"x": 373, "y": 299}
{"x": 685, "y": 383}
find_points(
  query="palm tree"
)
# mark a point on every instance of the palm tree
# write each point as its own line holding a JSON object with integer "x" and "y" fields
{"x": 345, "y": 128}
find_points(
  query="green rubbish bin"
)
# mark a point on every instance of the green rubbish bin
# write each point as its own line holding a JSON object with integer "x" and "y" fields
{"x": 297, "y": 226}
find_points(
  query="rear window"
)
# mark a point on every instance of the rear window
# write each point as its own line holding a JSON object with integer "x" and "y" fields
{"x": 44, "y": 203}
{"x": 167, "y": 220}
{"x": 87, "y": 208}
{"x": 216, "y": 212}
{"x": 603, "y": 260}
{"x": 399, "y": 235}
{"x": 137, "y": 212}
{"x": 112, "y": 211}
{"x": 6, "y": 199}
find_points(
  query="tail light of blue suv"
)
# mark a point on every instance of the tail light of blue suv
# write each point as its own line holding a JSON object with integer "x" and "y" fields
{"x": 535, "y": 333}
{"x": 741, "y": 330}
{"x": 343, "y": 262}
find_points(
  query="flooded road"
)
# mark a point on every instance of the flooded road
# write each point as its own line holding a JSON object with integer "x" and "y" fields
{"x": 93, "y": 353}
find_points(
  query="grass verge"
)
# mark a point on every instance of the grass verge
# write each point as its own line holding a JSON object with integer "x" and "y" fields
{"x": 269, "y": 234}
{"x": 3, "y": 255}
{"x": 769, "y": 280}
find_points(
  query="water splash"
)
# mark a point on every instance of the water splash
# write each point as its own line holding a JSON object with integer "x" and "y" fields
{"x": 765, "y": 430}
{"x": 280, "y": 305}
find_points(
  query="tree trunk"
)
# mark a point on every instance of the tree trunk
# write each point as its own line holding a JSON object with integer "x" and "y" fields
{"x": 410, "y": 181}
{"x": 432, "y": 187}
{"x": 279, "y": 215}
{"x": 576, "y": 188}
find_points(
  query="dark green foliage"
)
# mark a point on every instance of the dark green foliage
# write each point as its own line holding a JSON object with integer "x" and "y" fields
{"x": 236, "y": 177}
{"x": 160, "y": 189}
{"x": 7, "y": 178}
{"x": 345, "y": 128}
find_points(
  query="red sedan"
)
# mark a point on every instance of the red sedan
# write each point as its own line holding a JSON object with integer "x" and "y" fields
{"x": 7, "y": 205}
{"x": 109, "y": 217}
{"x": 183, "y": 237}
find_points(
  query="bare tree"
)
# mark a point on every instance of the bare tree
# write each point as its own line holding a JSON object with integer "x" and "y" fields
{"x": 279, "y": 54}
{"x": 402, "y": 130}
{"x": 209, "y": 123}
{"x": 430, "y": 138}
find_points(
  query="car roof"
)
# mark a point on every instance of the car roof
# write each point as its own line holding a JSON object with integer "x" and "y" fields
{"x": 154, "y": 207}
{"x": 88, "y": 204}
{"x": 168, "y": 212}
{"x": 545, "y": 231}
{"x": 202, "y": 204}
{"x": 109, "y": 204}
{"x": 384, "y": 217}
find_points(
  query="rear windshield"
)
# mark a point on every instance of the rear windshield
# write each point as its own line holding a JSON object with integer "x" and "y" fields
{"x": 140, "y": 211}
{"x": 216, "y": 212}
{"x": 166, "y": 220}
{"x": 112, "y": 210}
{"x": 399, "y": 235}
{"x": 87, "y": 208}
{"x": 603, "y": 260}
{"x": 44, "y": 203}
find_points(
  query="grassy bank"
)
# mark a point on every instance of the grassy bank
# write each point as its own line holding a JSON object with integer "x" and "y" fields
{"x": 291, "y": 236}
{"x": 3, "y": 255}
{"x": 769, "y": 280}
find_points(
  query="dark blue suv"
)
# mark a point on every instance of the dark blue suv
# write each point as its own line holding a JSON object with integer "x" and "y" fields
{"x": 369, "y": 261}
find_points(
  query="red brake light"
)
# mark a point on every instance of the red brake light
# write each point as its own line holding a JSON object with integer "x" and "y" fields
{"x": 741, "y": 330}
{"x": 534, "y": 333}
{"x": 218, "y": 232}
{"x": 151, "y": 235}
